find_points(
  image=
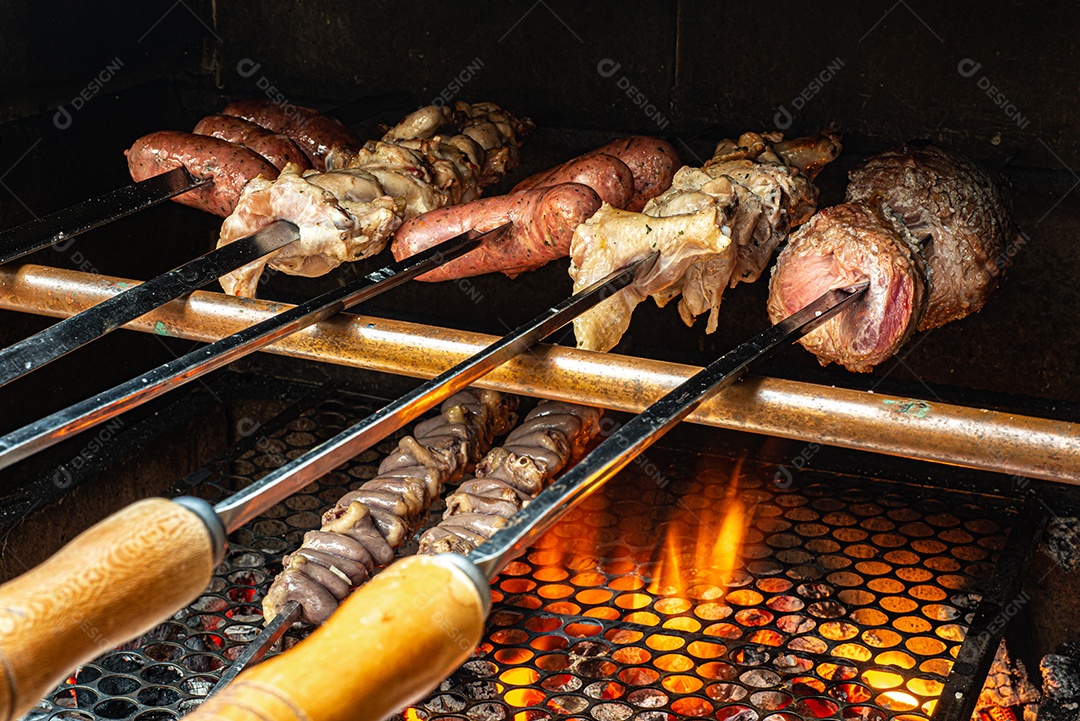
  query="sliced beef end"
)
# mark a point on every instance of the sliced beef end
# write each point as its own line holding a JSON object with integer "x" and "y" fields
{"x": 964, "y": 214}
{"x": 840, "y": 246}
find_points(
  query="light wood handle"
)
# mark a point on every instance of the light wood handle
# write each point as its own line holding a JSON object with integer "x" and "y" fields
{"x": 390, "y": 643}
{"x": 113, "y": 582}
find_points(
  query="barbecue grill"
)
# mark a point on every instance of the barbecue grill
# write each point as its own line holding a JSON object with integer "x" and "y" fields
{"x": 870, "y": 582}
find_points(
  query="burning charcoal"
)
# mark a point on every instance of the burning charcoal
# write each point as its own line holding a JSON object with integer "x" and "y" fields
{"x": 480, "y": 668}
{"x": 1007, "y": 685}
{"x": 750, "y": 656}
{"x": 760, "y": 678}
{"x": 726, "y": 692}
{"x": 966, "y": 600}
{"x": 648, "y": 698}
{"x": 480, "y": 690}
{"x": 198, "y": 685}
{"x": 796, "y": 624}
{"x": 488, "y": 712}
{"x": 737, "y": 713}
{"x": 566, "y": 705}
{"x": 611, "y": 712}
{"x": 445, "y": 703}
{"x": 815, "y": 591}
{"x": 826, "y": 609}
{"x": 790, "y": 663}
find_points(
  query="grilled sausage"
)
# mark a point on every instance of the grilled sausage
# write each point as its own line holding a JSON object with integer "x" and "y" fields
{"x": 315, "y": 133}
{"x": 275, "y": 147}
{"x": 610, "y": 177}
{"x": 229, "y": 165}
{"x": 652, "y": 161}
{"x": 543, "y": 222}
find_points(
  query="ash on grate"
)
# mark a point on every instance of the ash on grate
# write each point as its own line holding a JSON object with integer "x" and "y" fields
{"x": 1062, "y": 542}
{"x": 1007, "y": 687}
{"x": 1061, "y": 684}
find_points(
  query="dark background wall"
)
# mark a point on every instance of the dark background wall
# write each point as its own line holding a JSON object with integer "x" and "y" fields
{"x": 899, "y": 69}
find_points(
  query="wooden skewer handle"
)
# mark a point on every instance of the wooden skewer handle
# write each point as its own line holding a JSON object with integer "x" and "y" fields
{"x": 113, "y": 582}
{"x": 386, "y": 646}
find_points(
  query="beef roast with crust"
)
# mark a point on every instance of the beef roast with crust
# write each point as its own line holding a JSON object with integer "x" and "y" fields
{"x": 963, "y": 214}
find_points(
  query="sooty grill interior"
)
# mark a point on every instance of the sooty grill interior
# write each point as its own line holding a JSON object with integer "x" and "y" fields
{"x": 849, "y": 597}
{"x": 815, "y": 620}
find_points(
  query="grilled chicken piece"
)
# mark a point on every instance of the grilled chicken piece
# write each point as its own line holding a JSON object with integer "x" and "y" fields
{"x": 342, "y": 216}
{"x": 841, "y": 246}
{"x": 512, "y": 475}
{"x": 365, "y": 526}
{"x": 350, "y": 211}
{"x": 716, "y": 226}
{"x": 927, "y": 227}
{"x": 696, "y": 260}
{"x": 964, "y": 215}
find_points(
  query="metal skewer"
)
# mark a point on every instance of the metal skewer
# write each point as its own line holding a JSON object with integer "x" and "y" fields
{"x": 95, "y": 212}
{"x": 81, "y": 416}
{"x": 157, "y": 555}
{"x": 400, "y": 602}
{"x": 61, "y": 338}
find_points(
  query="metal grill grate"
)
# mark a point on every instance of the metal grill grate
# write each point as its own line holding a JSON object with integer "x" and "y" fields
{"x": 850, "y": 601}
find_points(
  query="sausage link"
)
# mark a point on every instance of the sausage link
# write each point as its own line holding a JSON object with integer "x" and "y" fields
{"x": 543, "y": 223}
{"x": 229, "y": 165}
{"x": 610, "y": 177}
{"x": 315, "y": 133}
{"x": 277, "y": 148}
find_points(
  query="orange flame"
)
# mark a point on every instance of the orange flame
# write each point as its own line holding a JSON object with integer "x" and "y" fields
{"x": 701, "y": 548}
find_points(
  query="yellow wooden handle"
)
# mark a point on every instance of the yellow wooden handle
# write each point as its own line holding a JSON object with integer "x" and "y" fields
{"x": 113, "y": 582}
{"x": 389, "y": 644}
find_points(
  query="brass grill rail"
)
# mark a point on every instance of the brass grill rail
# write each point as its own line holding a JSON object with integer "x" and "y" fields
{"x": 977, "y": 438}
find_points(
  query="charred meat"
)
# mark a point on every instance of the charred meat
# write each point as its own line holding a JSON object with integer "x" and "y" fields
{"x": 512, "y": 475}
{"x": 414, "y": 169}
